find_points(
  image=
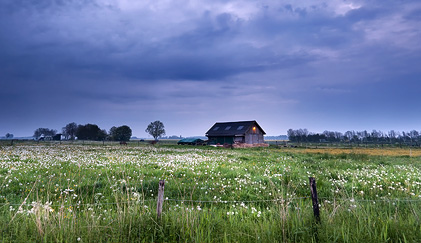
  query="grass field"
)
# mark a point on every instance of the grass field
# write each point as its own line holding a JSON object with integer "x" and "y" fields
{"x": 107, "y": 193}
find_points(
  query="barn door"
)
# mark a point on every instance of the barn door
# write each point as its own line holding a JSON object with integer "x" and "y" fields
{"x": 254, "y": 138}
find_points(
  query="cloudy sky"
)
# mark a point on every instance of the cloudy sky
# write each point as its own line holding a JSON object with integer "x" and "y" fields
{"x": 322, "y": 65}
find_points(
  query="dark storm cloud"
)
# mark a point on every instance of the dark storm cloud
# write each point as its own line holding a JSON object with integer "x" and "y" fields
{"x": 202, "y": 53}
{"x": 208, "y": 51}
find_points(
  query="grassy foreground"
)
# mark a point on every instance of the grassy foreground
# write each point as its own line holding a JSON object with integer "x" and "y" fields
{"x": 95, "y": 193}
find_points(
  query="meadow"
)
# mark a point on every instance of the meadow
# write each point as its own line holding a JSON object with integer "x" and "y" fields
{"x": 107, "y": 193}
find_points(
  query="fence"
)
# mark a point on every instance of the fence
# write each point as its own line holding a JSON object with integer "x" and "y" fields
{"x": 160, "y": 200}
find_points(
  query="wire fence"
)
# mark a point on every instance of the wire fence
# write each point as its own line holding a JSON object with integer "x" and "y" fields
{"x": 222, "y": 201}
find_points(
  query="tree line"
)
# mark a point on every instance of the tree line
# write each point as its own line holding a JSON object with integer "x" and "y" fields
{"x": 92, "y": 132}
{"x": 303, "y": 135}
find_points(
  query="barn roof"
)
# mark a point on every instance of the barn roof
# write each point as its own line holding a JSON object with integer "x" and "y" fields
{"x": 238, "y": 128}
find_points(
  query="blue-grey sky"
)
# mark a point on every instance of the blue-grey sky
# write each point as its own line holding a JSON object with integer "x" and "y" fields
{"x": 322, "y": 65}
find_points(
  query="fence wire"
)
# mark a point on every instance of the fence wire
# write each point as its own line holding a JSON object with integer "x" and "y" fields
{"x": 220, "y": 201}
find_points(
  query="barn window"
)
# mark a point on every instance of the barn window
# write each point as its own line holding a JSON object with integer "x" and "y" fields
{"x": 216, "y": 128}
{"x": 240, "y": 127}
{"x": 227, "y": 128}
{"x": 254, "y": 129}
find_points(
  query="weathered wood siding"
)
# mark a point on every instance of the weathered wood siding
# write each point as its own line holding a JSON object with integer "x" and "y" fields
{"x": 253, "y": 137}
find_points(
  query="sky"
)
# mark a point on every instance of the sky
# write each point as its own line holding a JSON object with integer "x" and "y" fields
{"x": 322, "y": 65}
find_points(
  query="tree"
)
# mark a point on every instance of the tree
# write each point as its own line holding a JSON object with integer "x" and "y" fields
{"x": 111, "y": 133}
{"x": 339, "y": 136}
{"x": 90, "y": 132}
{"x": 413, "y": 135}
{"x": 44, "y": 132}
{"x": 405, "y": 137}
{"x": 330, "y": 136}
{"x": 292, "y": 135}
{"x": 349, "y": 135}
{"x": 122, "y": 133}
{"x": 362, "y": 135}
{"x": 303, "y": 134}
{"x": 9, "y": 135}
{"x": 69, "y": 131}
{"x": 156, "y": 129}
{"x": 376, "y": 135}
{"x": 102, "y": 135}
{"x": 392, "y": 136}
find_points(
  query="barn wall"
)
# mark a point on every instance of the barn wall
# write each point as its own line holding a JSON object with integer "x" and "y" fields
{"x": 239, "y": 139}
{"x": 253, "y": 138}
{"x": 221, "y": 140}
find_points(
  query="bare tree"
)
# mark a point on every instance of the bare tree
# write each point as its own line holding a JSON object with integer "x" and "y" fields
{"x": 349, "y": 135}
{"x": 413, "y": 135}
{"x": 392, "y": 136}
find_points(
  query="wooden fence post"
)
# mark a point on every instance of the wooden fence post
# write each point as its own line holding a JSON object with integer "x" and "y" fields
{"x": 314, "y": 198}
{"x": 160, "y": 198}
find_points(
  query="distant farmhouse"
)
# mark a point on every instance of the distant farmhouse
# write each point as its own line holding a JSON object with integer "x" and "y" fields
{"x": 242, "y": 132}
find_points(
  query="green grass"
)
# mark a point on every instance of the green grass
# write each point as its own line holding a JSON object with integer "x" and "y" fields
{"x": 96, "y": 193}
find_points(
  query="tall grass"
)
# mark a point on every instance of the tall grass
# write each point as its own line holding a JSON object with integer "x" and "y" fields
{"x": 75, "y": 193}
{"x": 278, "y": 223}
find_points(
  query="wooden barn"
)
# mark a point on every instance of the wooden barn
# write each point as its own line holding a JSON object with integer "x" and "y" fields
{"x": 241, "y": 132}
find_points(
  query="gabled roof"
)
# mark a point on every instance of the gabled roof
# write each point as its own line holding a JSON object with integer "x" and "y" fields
{"x": 232, "y": 128}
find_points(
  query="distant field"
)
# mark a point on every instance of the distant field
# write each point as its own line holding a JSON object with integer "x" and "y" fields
{"x": 415, "y": 152}
{"x": 106, "y": 192}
